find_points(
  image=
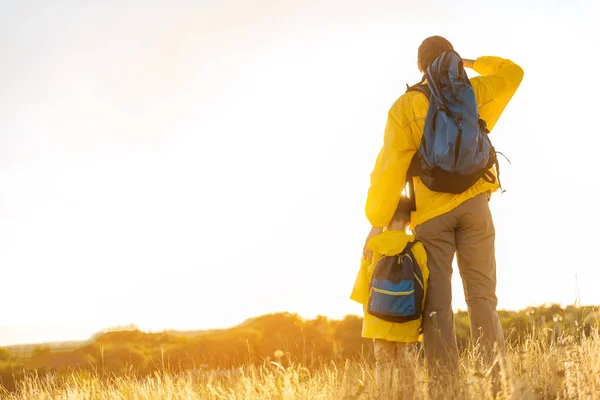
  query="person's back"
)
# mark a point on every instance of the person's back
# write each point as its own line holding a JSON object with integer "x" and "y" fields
{"x": 447, "y": 223}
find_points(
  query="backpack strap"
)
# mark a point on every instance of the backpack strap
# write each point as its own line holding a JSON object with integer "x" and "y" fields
{"x": 410, "y": 245}
{"x": 420, "y": 87}
{"x": 416, "y": 268}
{"x": 410, "y": 204}
{"x": 488, "y": 176}
{"x": 494, "y": 162}
{"x": 413, "y": 171}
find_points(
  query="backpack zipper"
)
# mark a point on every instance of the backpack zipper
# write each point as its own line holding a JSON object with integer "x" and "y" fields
{"x": 393, "y": 293}
{"x": 458, "y": 143}
{"x": 418, "y": 280}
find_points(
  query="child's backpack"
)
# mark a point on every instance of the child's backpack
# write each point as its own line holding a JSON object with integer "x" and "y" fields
{"x": 455, "y": 150}
{"x": 396, "y": 288}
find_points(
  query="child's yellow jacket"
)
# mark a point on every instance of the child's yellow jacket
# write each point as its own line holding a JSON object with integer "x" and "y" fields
{"x": 389, "y": 243}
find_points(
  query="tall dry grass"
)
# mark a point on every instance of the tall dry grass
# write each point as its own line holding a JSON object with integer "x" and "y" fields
{"x": 540, "y": 368}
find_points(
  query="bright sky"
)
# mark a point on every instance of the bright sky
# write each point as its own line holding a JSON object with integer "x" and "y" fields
{"x": 190, "y": 164}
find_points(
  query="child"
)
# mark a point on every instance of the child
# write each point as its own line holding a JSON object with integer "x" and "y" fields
{"x": 394, "y": 343}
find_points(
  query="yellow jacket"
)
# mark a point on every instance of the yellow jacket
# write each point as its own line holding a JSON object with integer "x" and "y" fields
{"x": 495, "y": 87}
{"x": 388, "y": 243}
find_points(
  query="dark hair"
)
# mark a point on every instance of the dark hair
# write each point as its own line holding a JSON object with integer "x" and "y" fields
{"x": 432, "y": 48}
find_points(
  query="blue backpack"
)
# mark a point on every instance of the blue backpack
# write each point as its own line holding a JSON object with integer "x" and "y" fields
{"x": 455, "y": 150}
{"x": 397, "y": 287}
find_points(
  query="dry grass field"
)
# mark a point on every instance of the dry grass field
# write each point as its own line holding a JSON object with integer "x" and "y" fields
{"x": 567, "y": 368}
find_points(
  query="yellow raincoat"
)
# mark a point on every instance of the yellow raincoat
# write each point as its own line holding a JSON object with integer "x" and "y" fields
{"x": 498, "y": 82}
{"x": 388, "y": 243}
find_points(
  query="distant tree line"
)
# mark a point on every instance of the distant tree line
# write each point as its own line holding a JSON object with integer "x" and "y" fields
{"x": 283, "y": 337}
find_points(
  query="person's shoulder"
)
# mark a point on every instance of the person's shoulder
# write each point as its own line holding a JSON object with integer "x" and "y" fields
{"x": 407, "y": 98}
{"x": 483, "y": 94}
{"x": 409, "y": 106}
{"x": 476, "y": 81}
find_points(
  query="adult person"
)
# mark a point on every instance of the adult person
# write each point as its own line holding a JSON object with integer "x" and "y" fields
{"x": 446, "y": 223}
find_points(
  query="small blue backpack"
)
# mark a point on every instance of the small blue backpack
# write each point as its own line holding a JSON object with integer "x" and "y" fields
{"x": 455, "y": 150}
{"x": 397, "y": 288}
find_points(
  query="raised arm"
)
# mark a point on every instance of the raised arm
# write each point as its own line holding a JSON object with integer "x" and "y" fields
{"x": 498, "y": 81}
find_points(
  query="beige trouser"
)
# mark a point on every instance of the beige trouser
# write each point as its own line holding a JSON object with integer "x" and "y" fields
{"x": 468, "y": 231}
{"x": 395, "y": 369}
